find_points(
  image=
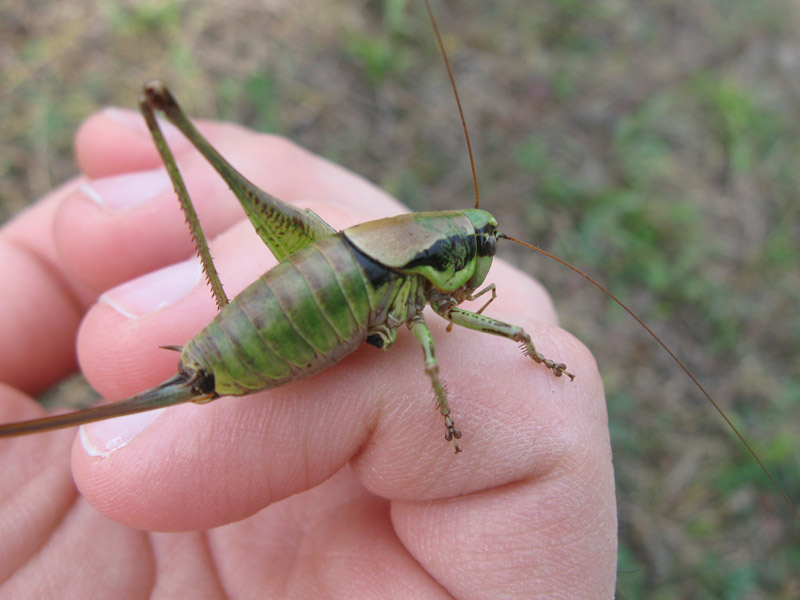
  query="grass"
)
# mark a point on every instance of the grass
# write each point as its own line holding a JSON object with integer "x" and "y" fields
{"x": 653, "y": 144}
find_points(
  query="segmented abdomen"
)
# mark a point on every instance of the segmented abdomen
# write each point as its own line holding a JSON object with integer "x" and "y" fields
{"x": 298, "y": 318}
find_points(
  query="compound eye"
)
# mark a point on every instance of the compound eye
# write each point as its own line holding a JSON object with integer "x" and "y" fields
{"x": 488, "y": 244}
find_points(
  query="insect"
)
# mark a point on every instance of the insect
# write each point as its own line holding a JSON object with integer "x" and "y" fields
{"x": 331, "y": 292}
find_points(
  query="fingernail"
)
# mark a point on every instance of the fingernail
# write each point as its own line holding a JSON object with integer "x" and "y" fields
{"x": 104, "y": 437}
{"x": 133, "y": 120}
{"x": 127, "y": 190}
{"x": 155, "y": 290}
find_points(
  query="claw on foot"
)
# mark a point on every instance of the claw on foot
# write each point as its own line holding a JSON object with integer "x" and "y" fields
{"x": 452, "y": 433}
{"x": 558, "y": 369}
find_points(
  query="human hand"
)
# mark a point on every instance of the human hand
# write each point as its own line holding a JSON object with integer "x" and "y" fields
{"x": 339, "y": 485}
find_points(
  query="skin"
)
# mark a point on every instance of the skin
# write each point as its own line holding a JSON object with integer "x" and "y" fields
{"x": 338, "y": 485}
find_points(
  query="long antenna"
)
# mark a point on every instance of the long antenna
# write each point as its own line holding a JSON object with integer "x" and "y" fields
{"x": 458, "y": 101}
{"x": 677, "y": 360}
{"x": 652, "y": 334}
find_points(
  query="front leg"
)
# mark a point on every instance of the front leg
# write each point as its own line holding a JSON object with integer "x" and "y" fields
{"x": 479, "y": 322}
{"x": 425, "y": 337}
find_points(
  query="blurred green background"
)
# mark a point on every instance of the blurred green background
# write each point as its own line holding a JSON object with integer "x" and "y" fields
{"x": 655, "y": 144}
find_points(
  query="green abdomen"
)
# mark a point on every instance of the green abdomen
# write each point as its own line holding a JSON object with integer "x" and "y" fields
{"x": 297, "y": 319}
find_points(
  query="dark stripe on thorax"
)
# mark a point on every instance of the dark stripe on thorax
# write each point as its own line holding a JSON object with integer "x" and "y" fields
{"x": 453, "y": 252}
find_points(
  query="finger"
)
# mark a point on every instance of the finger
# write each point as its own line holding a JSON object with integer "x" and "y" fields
{"x": 128, "y": 222}
{"x": 328, "y": 542}
{"x": 86, "y": 553}
{"x": 36, "y": 489}
{"x": 42, "y": 305}
{"x": 115, "y": 141}
{"x": 45, "y": 526}
{"x": 558, "y": 528}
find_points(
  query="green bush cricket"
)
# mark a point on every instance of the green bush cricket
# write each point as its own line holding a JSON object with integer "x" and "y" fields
{"x": 374, "y": 282}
